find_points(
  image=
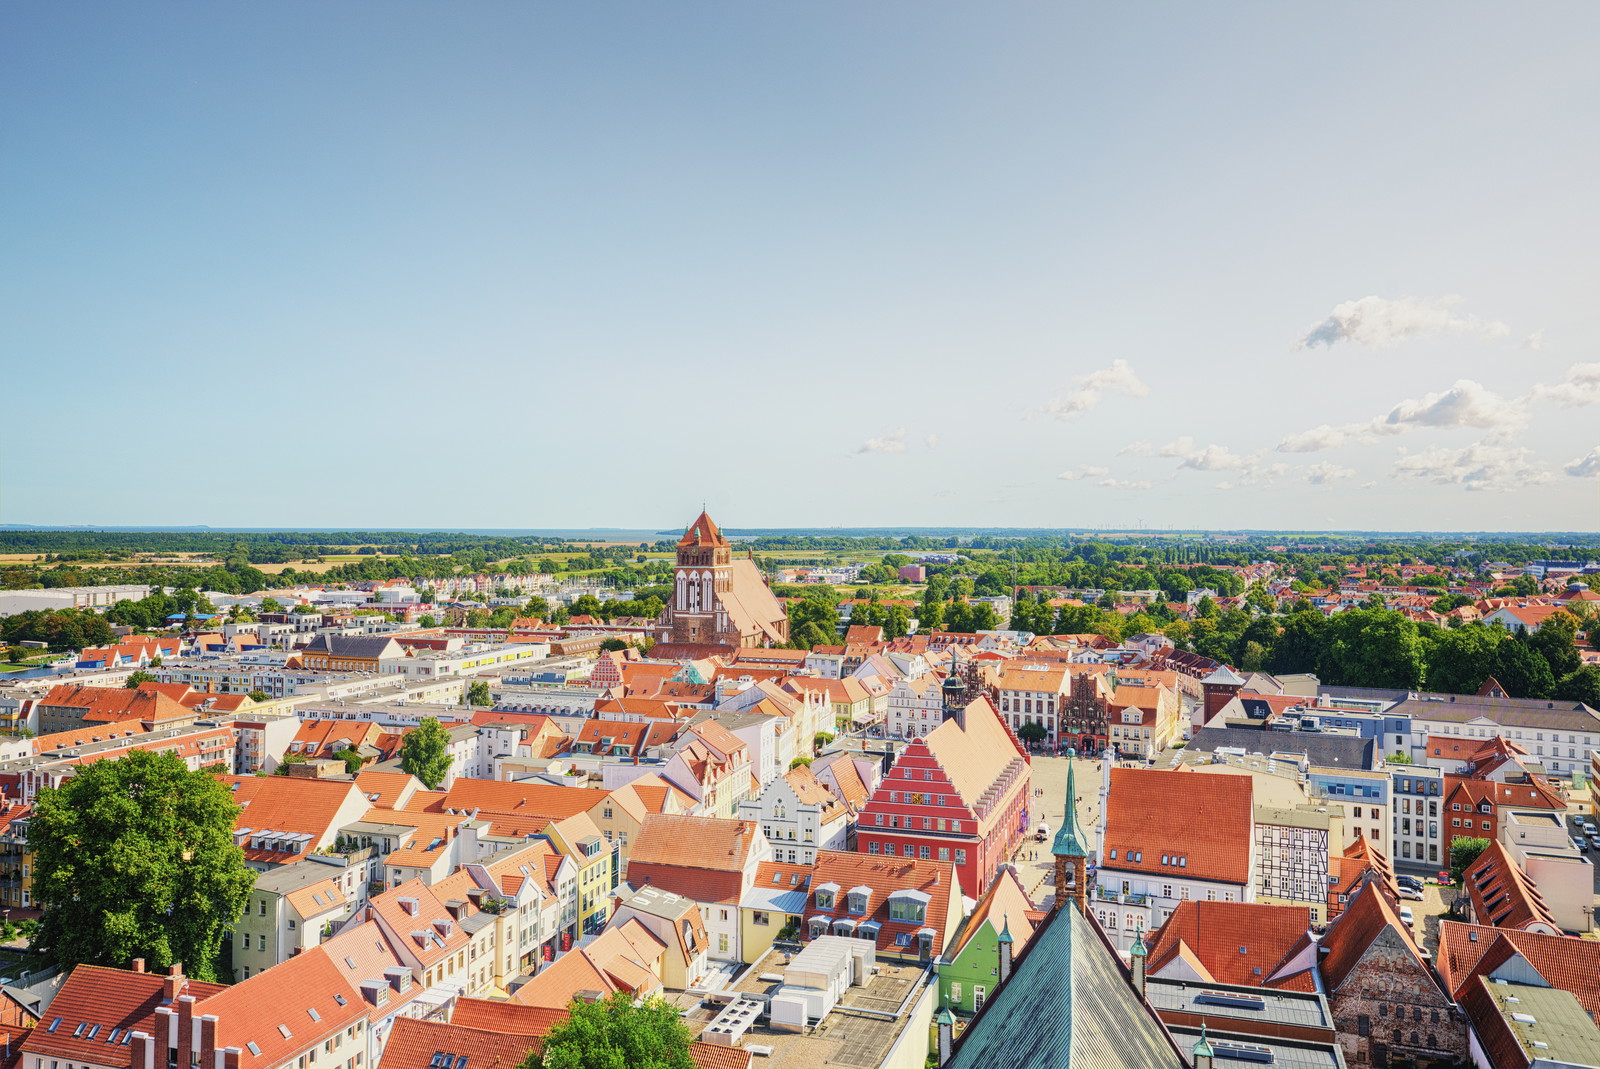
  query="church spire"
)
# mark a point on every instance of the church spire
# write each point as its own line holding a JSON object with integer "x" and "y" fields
{"x": 1071, "y": 849}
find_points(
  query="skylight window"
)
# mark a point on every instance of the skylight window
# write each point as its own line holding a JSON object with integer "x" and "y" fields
{"x": 253, "y": 1049}
{"x": 283, "y": 1030}
{"x": 312, "y": 1010}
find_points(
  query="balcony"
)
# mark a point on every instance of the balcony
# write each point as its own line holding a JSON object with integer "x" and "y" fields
{"x": 1130, "y": 899}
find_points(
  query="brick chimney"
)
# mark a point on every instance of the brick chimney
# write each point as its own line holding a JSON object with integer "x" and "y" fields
{"x": 172, "y": 983}
{"x": 137, "y": 965}
{"x": 185, "y": 1028}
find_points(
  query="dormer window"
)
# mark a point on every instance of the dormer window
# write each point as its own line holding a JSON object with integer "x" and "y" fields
{"x": 825, "y": 895}
{"x": 908, "y": 907}
{"x": 857, "y": 899}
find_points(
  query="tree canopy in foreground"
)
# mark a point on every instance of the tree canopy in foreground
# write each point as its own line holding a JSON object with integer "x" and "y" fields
{"x": 135, "y": 858}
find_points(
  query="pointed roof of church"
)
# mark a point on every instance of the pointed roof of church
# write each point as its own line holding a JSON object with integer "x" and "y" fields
{"x": 1071, "y": 840}
{"x": 1069, "y": 1001}
{"x": 703, "y": 532}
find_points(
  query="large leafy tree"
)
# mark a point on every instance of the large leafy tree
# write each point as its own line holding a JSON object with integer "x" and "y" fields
{"x": 1580, "y": 686}
{"x": 1372, "y": 648}
{"x": 1460, "y": 659}
{"x": 1521, "y": 670}
{"x": 1556, "y": 642}
{"x": 135, "y": 858}
{"x": 613, "y": 1033}
{"x": 1300, "y": 643}
{"x": 425, "y": 752}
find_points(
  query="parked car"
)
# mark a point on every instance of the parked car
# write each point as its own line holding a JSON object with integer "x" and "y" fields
{"x": 1589, "y": 829}
{"x": 1581, "y": 844}
{"x": 1410, "y": 894}
{"x": 1409, "y": 881}
{"x": 1594, "y": 842}
{"x": 1407, "y": 917}
{"x": 1042, "y": 832}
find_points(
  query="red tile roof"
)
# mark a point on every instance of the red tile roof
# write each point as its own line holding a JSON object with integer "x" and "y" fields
{"x": 1468, "y": 950}
{"x": 886, "y": 875}
{"x": 1236, "y": 942}
{"x": 1503, "y": 896}
{"x": 1367, "y": 919}
{"x": 1140, "y": 827}
{"x": 701, "y": 858}
{"x": 415, "y": 1043}
{"x": 93, "y": 1003}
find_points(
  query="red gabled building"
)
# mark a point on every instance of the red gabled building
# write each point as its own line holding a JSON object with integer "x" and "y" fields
{"x": 958, "y": 794}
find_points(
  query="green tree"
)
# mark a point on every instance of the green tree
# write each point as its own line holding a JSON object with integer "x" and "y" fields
{"x": 1372, "y": 648}
{"x": 1300, "y": 644}
{"x": 352, "y": 760}
{"x": 135, "y": 858}
{"x": 610, "y": 644}
{"x": 1460, "y": 659}
{"x": 613, "y": 1033}
{"x": 425, "y": 752}
{"x": 798, "y": 761}
{"x": 271, "y": 604}
{"x": 478, "y": 693}
{"x": 16, "y": 654}
{"x": 1463, "y": 852}
{"x": 1556, "y": 642}
{"x": 1031, "y": 732}
{"x": 259, "y": 696}
{"x": 140, "y": 676}
{"x": 1399, "y": 757}
{"x": 1580, "y": 686}
{"x": 1522, "y": 671}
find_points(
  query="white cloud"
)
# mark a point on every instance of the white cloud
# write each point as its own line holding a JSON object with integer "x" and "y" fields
{"x": 1379, "y": 321}
{"x": 1584, "y": 466}
{"x": 1480, "y": 466}
{"x": 1125, "y": 484}
{"x": 1535, "y": 340}
{"x": 1085, "y": 471}
{"x": 1089, "y": 390}
{"x": 1580, "y": 387}
{"x": 1138, "y": 449}
{"x": 893, "y": 442}
{"x": 1319, "y": 439}
{"x": 1465, "y": 404}
{"x": 1368, "y": 485}
{"x": 932, "y": 440}
{"x": 1324, "y": 473}
{"x": 1202, "y": 458}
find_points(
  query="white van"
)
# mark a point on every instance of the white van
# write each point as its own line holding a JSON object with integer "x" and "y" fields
{"x": 1407, "y": 917}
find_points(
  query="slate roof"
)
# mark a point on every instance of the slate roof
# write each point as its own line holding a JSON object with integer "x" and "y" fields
{"x": 1069, "y": 1002}
{"x": 1325, "y": 751}
{"x": 1536, "y": 713}
{"x": 361, "y": 646}
{"x": 1510, "y": 1018}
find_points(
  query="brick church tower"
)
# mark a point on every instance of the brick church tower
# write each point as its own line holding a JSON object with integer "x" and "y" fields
{"x": 716, "y": 599}
{"x": 703, "y": 579}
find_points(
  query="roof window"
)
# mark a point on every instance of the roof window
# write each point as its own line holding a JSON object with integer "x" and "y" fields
{"x": 252, "y": 1048}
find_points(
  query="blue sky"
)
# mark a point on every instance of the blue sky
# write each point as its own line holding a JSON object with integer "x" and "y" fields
{"x": 527, "y": 265}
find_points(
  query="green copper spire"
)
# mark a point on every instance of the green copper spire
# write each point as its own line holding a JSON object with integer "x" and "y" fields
{"x": 1071, "y": 840}
{"x": 1138, "y": 949}
{"x": 944, "y": 1016}
{"x": 1201, "y": 1049}
{"x": 1005, "y": 931}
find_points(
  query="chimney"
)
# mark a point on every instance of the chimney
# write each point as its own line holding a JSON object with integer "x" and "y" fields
{"x": 947, "y": 1031}
{"x": 185, "y": 1028}
{"x": 208, "y": 1039}
{"x": 172, "y": 983}
{"x": 138, "y": 965}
